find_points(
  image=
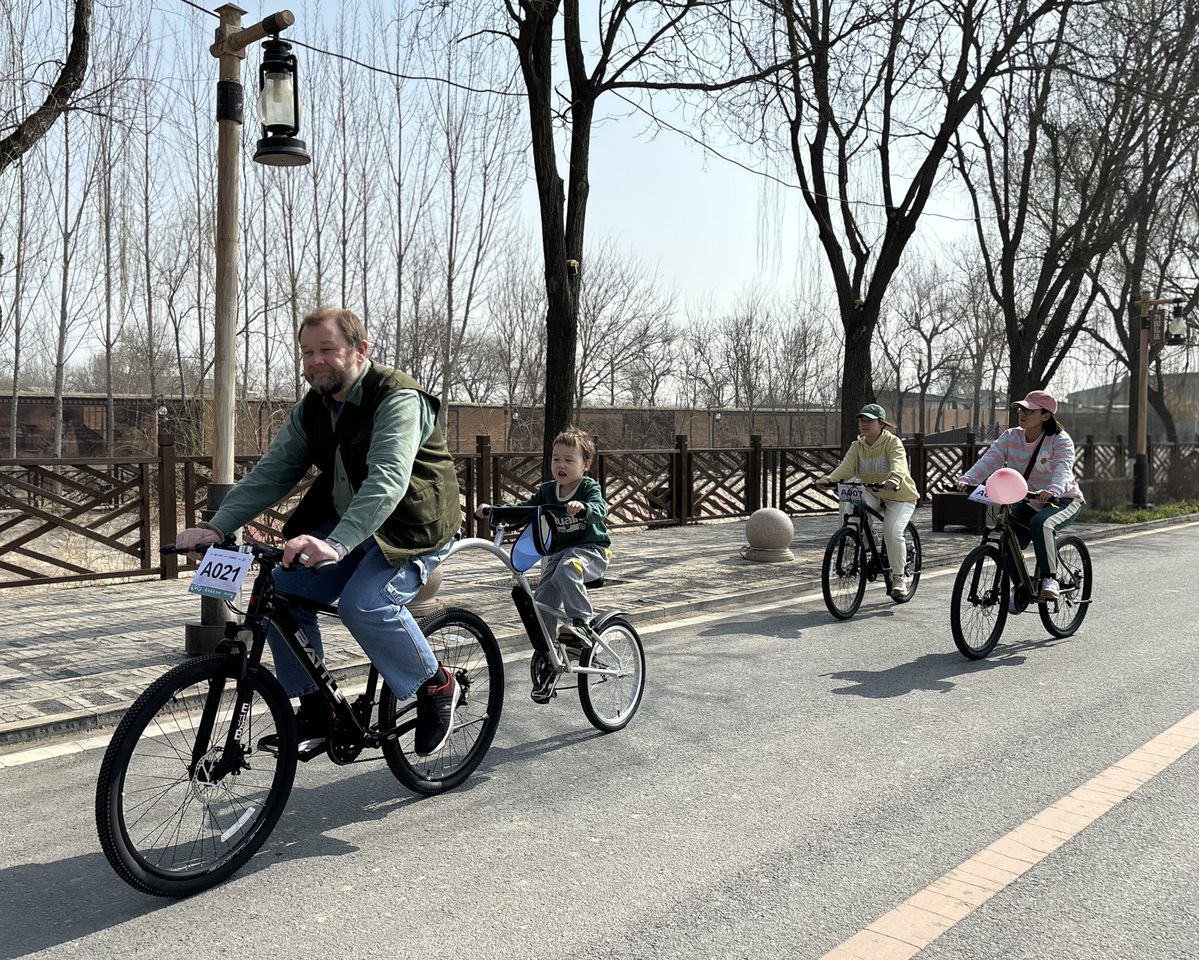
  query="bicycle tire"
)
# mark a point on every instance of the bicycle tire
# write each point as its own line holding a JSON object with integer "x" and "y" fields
{"x": 1063, "y": 616}
{"x": 913, "y": 563}
{"x": 163, "y": 826}
{"x": 610, "y": 702}
{"x": 464, "y": 645}
{"x": 978, "y": 607}
{"x": 843, "y": 573}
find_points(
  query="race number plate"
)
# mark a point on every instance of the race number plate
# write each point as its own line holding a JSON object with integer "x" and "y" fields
{"x": 849, "y": 492}
{"x": 221, "y": 573}
{"x": 980, "y": 496}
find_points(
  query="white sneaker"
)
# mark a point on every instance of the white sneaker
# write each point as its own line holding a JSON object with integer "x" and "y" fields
{"x": 1049, "y": 589}
{"x": 899, "y": 586}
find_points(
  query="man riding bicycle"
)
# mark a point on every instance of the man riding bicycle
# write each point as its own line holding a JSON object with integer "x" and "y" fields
{"x": 385, "y": 506}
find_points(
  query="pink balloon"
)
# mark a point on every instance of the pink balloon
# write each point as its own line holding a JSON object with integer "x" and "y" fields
{"x": 1006, "y": 485}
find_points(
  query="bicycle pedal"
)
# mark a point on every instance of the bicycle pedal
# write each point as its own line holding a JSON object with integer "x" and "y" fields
{"x": 311, "y": 748}
{"x": 542, "y": 695}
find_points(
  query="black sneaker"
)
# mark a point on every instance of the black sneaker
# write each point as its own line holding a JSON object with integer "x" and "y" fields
{"x": 435, "y": 706}
{"x": 581, "y": 633}
{"x": 312, "y": 733}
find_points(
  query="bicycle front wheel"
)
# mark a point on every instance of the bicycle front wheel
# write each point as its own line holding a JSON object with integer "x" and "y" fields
{"x": 466, "y": 647}
{"x": 978, "y": 609}
{"x": 178, "y": 809}
{"x": 843, "y": 575}
{"x": 610, "y": 700}
{"x": 1064, "y": 615}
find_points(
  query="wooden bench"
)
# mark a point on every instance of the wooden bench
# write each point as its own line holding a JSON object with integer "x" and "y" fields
{"x": 957, "y": 509}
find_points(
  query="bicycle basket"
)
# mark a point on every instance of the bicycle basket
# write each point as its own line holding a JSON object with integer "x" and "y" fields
{"x": 535, "y": 541}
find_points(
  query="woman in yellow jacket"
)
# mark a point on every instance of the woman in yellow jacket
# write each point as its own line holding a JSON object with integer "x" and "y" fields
{"x": 877, "y": 456}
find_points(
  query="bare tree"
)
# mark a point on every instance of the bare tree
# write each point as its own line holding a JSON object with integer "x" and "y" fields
{"x": 639, "y": 47}
{"x": 870, "y": 100}
{"x": 625, "y": 317}
{"x": 1061, "y": 161}
{"x": 28, "y": 130}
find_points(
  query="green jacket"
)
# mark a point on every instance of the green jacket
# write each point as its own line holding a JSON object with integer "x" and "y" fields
{"x": 587, "y": 527}
{"x": 385, "y": 469}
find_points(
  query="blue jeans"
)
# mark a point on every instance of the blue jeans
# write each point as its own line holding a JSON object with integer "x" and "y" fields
{"x": 373, "y": 604}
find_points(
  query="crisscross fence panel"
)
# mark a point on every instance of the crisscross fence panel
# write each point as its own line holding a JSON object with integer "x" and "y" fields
{"x": 64, "y": 521}
{"x": 720, "y": 483}
{"x": 266, "y": 528}
{"x": 639, "y": 486}
{"x": 790, "y": 478}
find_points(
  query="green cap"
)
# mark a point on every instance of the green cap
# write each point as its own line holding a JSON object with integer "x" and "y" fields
{"x": 872, "y": 411}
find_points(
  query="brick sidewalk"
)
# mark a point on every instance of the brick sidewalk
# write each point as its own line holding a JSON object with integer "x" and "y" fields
{"x": 73, "y": 658}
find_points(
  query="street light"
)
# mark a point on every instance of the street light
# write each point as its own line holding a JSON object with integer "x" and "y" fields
{"x": 1178, "y": 328}
{"x": 229, "y": 48}
{"x": 279, "y": 107}
{"x": 1152, "y": 334}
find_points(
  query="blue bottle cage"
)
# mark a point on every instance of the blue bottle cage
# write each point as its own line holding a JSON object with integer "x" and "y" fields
{"x": 535, "y": 541}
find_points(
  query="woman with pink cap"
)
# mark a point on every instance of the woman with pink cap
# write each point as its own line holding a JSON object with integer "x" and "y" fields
{"x": 1044, "y": 453}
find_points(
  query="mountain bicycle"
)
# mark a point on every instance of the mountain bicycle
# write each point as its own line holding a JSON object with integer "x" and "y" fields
{"x": 983, "y": 589}
{"x": 610, "y": 670}
{"x": 188, "y": 789}
{"x": 853, "y": 556}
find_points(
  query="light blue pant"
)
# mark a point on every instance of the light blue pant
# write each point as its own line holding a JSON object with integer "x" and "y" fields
{"x": 564, "y": 579}
{"x": 373, "y": 604}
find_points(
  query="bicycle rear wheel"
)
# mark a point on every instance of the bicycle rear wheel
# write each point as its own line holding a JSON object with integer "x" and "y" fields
{"x": 467, "y": 648}
{"x": 609, "y": 702}
{"x": 978, "y": 608}
{"x": 175, "y": 812}
{"x": 843, "y": 574}
{"x": 1063, "y": 616}
{"x": 912, "y": 563}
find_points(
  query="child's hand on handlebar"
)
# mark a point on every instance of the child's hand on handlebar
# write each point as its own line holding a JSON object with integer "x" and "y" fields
{"x": 1041, "y": 496}
{"x": 482, "y": 510}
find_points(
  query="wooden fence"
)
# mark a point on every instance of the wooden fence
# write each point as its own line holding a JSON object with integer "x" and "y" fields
{"x": 65, "y": 521}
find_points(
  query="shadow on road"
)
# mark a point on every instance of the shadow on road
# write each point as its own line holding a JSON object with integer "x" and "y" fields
{"x": 933, "y": 672}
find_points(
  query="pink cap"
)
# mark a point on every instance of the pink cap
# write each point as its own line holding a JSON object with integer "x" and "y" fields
{"x": 1038, "y": 400}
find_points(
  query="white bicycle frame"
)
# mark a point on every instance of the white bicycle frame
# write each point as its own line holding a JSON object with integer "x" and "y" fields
{"x": 547, "y": 617}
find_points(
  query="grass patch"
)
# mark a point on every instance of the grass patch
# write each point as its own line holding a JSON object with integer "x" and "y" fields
{"x": 1159, "y": 512}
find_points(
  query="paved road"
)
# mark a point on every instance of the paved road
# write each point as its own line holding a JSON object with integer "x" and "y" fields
{"x": 789, "y": 781}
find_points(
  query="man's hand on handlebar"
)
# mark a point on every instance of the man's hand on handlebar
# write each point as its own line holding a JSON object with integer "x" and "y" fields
{"x": 308, "y": 551}
{"x": 194, "y": 537}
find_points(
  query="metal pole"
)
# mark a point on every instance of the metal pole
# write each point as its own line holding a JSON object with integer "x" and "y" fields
{"x": 203, "y": 637}
{"x": 1140, "y": 468}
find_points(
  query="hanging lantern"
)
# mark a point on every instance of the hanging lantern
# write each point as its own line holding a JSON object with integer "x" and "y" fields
{"x": 279, "y": 108}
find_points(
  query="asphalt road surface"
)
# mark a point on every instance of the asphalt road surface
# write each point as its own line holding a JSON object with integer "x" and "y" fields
{"x": 789, "y": 782}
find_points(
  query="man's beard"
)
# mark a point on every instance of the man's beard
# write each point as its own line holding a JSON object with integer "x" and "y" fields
{"x": 334, "y": 381}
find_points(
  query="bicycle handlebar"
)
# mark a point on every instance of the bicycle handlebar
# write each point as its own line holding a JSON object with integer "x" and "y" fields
{"x": 517, "y": 515}
{"x": 854, "y": 483}
{"x": 261, "y": 552}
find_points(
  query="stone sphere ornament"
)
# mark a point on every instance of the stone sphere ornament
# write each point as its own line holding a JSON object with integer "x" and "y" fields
{"x": 769, "y": 533}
